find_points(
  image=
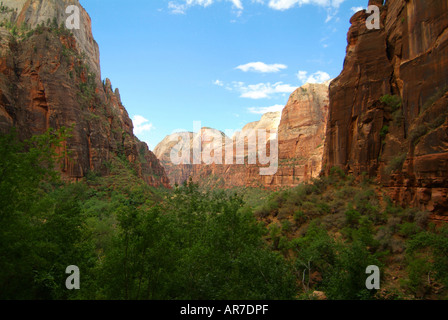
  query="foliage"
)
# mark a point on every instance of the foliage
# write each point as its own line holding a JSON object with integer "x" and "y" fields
{"x": 393, "y": 102}
{"x": 215, "y": 242}
{"x": 396, "y": 164}
{"x": 132, "y": 241}
{"x": 41, "y": 228}
{"x": 384, "y": 131}
{"x": 428, "y": 252}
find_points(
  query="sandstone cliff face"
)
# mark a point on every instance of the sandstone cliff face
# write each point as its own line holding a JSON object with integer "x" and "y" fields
{"x": 301, "y": 133}
{"x": 389, "y": 106}
{"x": 50, "y": 78}
{"x": 36, "y": 12}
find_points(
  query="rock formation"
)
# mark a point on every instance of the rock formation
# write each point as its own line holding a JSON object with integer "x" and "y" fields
{"x": 389, "y": 106}
{"x": 301, "y": 133}
{"x": 50, "y": 78}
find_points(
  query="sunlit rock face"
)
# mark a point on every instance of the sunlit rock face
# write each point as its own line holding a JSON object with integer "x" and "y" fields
{"x": 299, "y": 131}
{"x": 51, "y": 79}
{"x": 388, "y": 107}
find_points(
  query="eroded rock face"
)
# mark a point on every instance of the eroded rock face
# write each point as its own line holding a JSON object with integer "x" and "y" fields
{"x": 301, "y": 133}
{"x": 389, "y": 107}
{"x": 300, "y": 136}
{"x": 48, "y": 12}
{"x": 49, "y": 79}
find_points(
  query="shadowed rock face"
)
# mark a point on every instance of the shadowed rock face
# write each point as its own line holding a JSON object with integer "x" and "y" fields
{"x": 301, "y": 133}
{"x": 389, "y": 106}
{"x": 51, "y": 79}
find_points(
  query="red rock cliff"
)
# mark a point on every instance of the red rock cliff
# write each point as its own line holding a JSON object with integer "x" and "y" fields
{"x": 389, "y": 106}
{"x": 301, "y": 135}
{"x": 50, "y": 78}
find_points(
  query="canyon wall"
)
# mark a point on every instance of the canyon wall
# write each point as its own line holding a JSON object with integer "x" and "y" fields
{"x": 300, "y": 127}
{"x": 389, "y": 106}
{"x": 50, "y": 78}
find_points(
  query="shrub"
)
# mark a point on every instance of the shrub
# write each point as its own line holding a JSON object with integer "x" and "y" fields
{"x": 352, "y": 217}
{"x": 299, "y": 216}
{"x": 417, "y": 133}
{"x": 418, "y": 270}
{"x": 337, "y": 172}
{"x": 384, "y": 131}
{"x": 421, "y": 219}
{"x": 393, "y": 102}
{"x": 408, "y": 229}
{"x": 286, "y": 225}
{"x": 396, "y": 164}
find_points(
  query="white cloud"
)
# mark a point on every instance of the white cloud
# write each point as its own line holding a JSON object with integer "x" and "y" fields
{"x": 218, "y": 83}
{"x": 141, "y": 125}
{"x": 180, "y": 6}
{"x": 237, "y": 4}
{"x": 288, "y": 4}
{"x": 317, "y": 77}
{"x": 263, "y": 110}
{"x": 356, "y": 9}
{"x": 261, "y": 67}
{"x": 262, "y": 90}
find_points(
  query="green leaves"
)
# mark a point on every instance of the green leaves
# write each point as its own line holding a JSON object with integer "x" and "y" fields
{"x": 41, "y": 226}
{"x": 194, "y": 245}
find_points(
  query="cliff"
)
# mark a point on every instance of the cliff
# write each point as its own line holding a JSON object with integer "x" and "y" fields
{"x": 50, "y": 78}
{"x": 389, "y": 106}
{"x": 300, "y": 136}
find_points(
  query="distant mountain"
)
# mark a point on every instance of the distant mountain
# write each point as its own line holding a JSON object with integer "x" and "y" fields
{"x": 300, "y": 136}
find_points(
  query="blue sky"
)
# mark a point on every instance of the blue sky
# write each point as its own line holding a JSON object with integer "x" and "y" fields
{"x": 221, "y": 62}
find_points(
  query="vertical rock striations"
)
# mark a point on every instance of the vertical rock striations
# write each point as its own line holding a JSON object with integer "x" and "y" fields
{"x": 301, "y": 134}
{"x": 389, "y": 106}
{"x": 50, "y": 78}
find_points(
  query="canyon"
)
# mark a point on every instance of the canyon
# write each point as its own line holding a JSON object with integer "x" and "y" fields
{"x": 300, "y": 138}
{"x": 384, "y": 117}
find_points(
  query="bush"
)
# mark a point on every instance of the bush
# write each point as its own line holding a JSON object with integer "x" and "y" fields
{"x": 408, "y": 229}
{"x": 299, "y": 216}
{"x": 346, "y": 278}
{"x": 384, "y": 131}
{"x": 396, "y": 164}
{"x": 393, "y": 102}
{"x": 337, "y": 172}
{"x": 286, "y": 225}
{"x": 417, "y": 133}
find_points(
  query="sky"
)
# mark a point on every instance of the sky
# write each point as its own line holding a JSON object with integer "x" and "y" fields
{"x": 221, "y": 62}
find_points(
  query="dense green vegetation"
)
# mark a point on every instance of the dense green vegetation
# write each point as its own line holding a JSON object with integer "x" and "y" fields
{"x": 132, "y": 241}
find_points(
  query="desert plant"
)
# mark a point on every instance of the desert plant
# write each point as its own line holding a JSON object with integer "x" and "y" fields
{"x": 393, "y": 102}
{"x": 396, "y": 164}
{"x": 417, "y": 133}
